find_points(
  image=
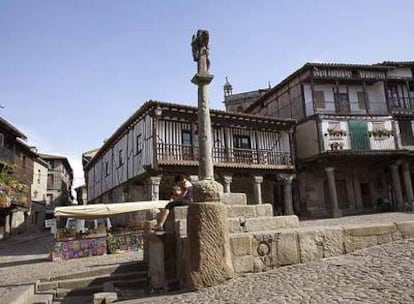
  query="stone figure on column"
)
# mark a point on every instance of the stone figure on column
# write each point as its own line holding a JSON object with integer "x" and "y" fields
{"x": 207, "y": 225}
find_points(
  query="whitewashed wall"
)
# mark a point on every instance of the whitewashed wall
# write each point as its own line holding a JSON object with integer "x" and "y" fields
{"x": 39, "y": 182}
{"x": 385, "y": 143}
{"x": 99, "y": 182}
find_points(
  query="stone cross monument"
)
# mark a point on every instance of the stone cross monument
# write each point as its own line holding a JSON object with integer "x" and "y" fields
{"x": 202, "y": 79}
{"x": 209, "y": 260}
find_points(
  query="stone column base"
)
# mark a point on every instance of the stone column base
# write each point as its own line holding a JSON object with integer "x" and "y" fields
{"x": 336, "y": 213}
{"x": 209, "y": 263}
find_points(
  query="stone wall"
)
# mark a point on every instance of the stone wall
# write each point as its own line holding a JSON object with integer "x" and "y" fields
{"x": 260, "y": 251}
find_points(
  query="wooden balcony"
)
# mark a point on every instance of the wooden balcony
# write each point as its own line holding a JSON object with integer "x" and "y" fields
{"x": 6, "y": 154}
{"x": 175, "y": 154}
{"x": 350, "y": 107}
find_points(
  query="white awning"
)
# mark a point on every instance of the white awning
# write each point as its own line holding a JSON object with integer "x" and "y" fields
{"x": 104, "y": 210}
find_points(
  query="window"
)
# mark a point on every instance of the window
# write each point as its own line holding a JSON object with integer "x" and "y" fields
{"x": 38, "y": 176}
{"x": 51, "y": 164}
{"x": 361, "y": 100}
{"x": 406, "y": 131}
{"x": 106, "y": 168}
{"x": 342, "y": 104}
{"x": 24, "y": 162}
{"x": 49, "y": 199}
{"x": 392, "y": 94}
{"x": 121, "y": 158}
{"x": 241, "y": 142}
{"x": 50, "y": 181}
{"x": 186, "y": 138}
{"x": 1, "y": 140}
{"x": 139, "y": 143}
{"x": 319, "y": 97}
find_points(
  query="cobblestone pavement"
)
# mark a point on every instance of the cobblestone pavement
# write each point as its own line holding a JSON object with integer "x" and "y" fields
{"x": 380, "y": 274}
{"x": 23, "y": 259}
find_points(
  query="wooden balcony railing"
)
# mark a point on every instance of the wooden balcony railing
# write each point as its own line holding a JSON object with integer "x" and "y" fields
{"x": 175, "y": 152}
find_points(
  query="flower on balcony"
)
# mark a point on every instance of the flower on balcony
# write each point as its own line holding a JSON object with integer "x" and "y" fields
{"x": 335, "y": 132}
{"x": 380, "y": 133}
{"x": 337, "y": 146}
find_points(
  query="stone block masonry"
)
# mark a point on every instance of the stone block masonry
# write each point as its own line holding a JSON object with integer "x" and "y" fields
{"x": 263, "y": 250}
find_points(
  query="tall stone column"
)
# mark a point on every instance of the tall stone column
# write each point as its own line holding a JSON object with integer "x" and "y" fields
{"x": 396, "y": 184}
{"x": 227, "y": 183}
{"x": 407, "y": 182}
{"x": 357, "y": 188}
{"x": 209, "y": 260}
{"x": 258, "y": 180}
{"x": 155, "y": 187}
{"x": 335, "y": 211}
{"x": 287, "y": 193}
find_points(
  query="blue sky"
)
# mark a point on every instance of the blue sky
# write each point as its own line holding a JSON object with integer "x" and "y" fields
{"x": 72, "y": 71}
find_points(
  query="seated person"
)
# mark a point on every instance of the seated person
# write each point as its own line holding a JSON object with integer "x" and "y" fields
{"x": 182, "y": 196}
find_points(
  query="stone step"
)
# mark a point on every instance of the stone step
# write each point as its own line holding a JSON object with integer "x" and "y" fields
{"x": 242, "y": 224}
{"x": 113, "y": 269}
{"x": 17, "y": 294}
{"x": 42, "y": 299}
{"x": 74, "y": 300}
{"x": 234, "y": 199}
{"x": 84, "y": 282}
{"x": 249, "y": 211}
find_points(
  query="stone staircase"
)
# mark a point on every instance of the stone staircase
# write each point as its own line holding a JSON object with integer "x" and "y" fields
{"x": 125, "y": 282}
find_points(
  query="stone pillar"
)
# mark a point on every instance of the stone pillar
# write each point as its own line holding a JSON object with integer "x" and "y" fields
{"x": 7, "y": 227}
{"x": 155, "y": 187}
{"x": 357, "y": 188}
{"x": 396, "y": 184}
{"x": 207, "y": 226}
{"x": 335, "y": 211}
{"x": 287, "y": 193}
{"x": 258, "y": 180}
{"x": 304, "y": 212}
{"x": 208, "y": 232}
{"x": 227, "y": 183}
{"x": 407, "y": 182}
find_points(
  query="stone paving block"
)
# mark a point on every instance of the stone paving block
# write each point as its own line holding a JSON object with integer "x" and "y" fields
{"x": 271, "y": 223}
{"x": 384, "y": 239}
{"x": 243, "y": 264}
{"x": 370, "y": 229}
{"x": 333, "y": 241}
{"x": 264, "y": 210}
{"x": 353, "y": 243}
{"x": 310, "y": 244}
{"x": 406, "y": 229}
{"x": 180, "y": 213}
{"x": 241, "y": 211}
{"x": 241, "y": 244}
{"x": 234, "y": 225}
{"x": 268, "y": 240}
{"x": 234, "y": 198}
{"x": 287, "y": 251}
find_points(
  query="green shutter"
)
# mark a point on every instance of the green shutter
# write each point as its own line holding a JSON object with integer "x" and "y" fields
{"x": 359, "y": 138}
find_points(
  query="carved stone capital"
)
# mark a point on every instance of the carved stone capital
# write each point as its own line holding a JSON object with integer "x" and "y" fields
{"x": 207, "y": 191}
{"x": 258, "y": 179}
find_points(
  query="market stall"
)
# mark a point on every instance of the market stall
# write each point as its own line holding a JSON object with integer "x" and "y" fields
{"x": 99, "y": 229}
